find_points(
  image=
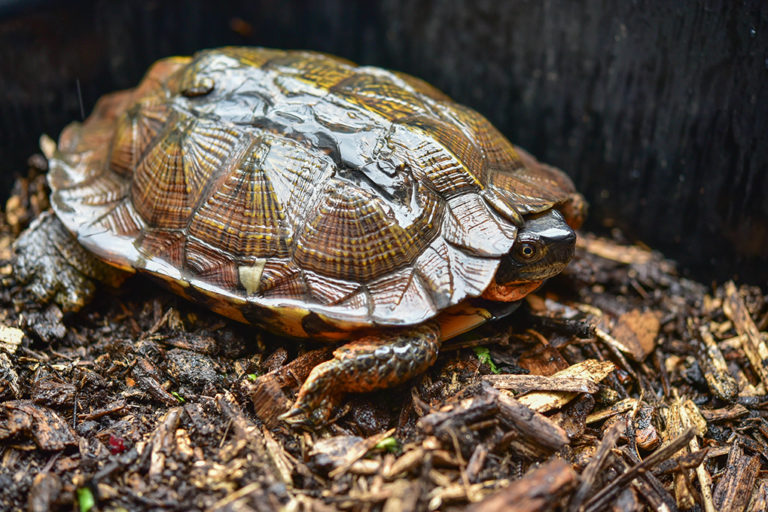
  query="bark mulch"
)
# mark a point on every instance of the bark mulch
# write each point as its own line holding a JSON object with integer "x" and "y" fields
{"x": 620, "y": 385}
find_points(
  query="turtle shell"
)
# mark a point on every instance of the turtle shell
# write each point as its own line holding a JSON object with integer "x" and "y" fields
{"x": 297, "y": 191}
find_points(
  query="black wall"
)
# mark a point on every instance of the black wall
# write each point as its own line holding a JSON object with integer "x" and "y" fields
{"x": 658, "y": 109}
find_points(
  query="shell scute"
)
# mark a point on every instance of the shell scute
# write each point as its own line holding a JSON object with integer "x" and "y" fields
{"x": 243, "y": 215}
{"x": 173, "y": 174}
{"x": 401, "y": 295}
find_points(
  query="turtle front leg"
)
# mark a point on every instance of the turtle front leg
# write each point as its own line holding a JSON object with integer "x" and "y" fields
{"x": 373, "y": 362}
{"x": 52, "y": 267}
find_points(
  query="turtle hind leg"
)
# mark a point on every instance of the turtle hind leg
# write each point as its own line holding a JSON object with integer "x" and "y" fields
{"x": 373, "y": 362}
{"x": 51, "y": 267}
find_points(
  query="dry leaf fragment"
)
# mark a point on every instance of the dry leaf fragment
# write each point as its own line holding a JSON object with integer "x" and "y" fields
{"x": 636, "y": 332}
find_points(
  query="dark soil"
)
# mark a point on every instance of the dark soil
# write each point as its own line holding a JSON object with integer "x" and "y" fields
{"x": 618, "y": 386}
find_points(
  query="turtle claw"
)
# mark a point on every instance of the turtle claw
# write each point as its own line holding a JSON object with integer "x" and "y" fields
{"x": 301, "y": 416}
{"x": 297, "y": 417}
{"x": 369, "y": 363}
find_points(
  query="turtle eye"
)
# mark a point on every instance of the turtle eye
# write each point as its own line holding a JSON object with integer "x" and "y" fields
{"x": 527, "y": 251}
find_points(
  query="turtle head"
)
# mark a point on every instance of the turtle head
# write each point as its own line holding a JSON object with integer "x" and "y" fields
{"x": 543, "y": 248}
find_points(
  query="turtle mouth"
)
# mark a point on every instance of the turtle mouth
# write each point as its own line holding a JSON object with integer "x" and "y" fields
{"x": 510, "y": 292}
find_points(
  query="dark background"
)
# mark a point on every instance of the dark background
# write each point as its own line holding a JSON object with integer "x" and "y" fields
{"x": 657, "y": 109}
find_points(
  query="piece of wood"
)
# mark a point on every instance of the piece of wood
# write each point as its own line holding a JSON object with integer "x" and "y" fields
{"x": 10, "y": 339}
{"x": 590, "y": 474}
{"x": 606, "y": 493}
{"x": 43, "y": 425}
{"x": 541, "y": 489}
{"x": 754, "y": 347}
{"x": 526, "y": 383}
{"x": 735, "y": 488}
{"x": 636, "y": 332}
{"x": 358, "y": 450}
{"x": 546, "y": 401}
{"x": 719, "y": 379}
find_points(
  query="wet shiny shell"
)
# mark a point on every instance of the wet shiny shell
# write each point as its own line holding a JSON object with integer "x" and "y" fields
{"x": 297, "y": 191}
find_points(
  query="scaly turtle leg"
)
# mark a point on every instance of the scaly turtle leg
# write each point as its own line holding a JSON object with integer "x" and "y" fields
{"x": 52, "y": 267}
{"x": 373, "y": 362}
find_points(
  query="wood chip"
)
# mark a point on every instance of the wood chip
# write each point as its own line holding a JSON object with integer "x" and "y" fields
{"x": 598, "y": 501}
{"x": 719, "y": 378}
{"x": 735, "y": 488}
{"x": 540, "y": 489}
{"x": 754, "y": 347}
{"x": 44, "y": 426}
{"x": 532, "y": 425}
{"x": 590, "y": 474}
{"x": 636, "y": 333}
{"x": 725, "y": 414}
{"x": 404, "y": 463}
{"x": 10, "y": 387}
{"x": 44, "y": 492}
{"x": 613, "y": 251}
{"x": 10, "y": 339}
{"x": 760, "y": 497}
{"x": 526, "y": 383}
{"x": 359, "y": 450}
{"x": 591, "y": 369}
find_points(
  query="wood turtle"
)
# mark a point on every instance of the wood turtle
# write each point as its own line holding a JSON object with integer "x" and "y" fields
{"x": 302, "y": 194}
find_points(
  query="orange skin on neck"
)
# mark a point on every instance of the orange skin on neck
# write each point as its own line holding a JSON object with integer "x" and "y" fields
{"x": 510, "y": 292}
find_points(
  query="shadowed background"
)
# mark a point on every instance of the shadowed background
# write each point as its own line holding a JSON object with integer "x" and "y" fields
{"x": 657, "y": 109}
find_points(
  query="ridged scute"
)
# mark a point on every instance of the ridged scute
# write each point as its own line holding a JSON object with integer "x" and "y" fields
{"x": 298, "y": 191}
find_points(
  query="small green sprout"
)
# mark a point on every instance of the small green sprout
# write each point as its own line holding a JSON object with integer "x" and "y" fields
{"x": 484, "y": 355}
{"x": 389, "y": 444}
{"x": 85, "y": 499}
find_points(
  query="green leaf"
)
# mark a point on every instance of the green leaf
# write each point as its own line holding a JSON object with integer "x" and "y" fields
{"x": 252, "y": 376}
{"x": 389, "y": 444}
{"x": 178, "y": 397}
{"x": 85, "y": 499}
{"x": 484, "y": 355}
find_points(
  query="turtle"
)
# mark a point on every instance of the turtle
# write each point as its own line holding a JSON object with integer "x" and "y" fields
{"x": 306, "y": 195}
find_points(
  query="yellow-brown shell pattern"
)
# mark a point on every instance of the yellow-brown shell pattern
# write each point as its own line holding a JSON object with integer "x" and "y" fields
{"x": 298, "y": 191}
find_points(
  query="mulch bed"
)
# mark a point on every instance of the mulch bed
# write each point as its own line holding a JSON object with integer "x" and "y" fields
{"x": 618, "y": 386}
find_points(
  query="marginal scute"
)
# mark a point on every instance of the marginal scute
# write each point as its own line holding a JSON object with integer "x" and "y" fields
{"x": 164, "y": 245}
{"x": 434, "y": 269}
{"x": 282, "y": 278}
{"x": 159, "y": 74}
{"x": 400, "y": 297}
{"x": 209, "y": 264}
{"x": 518, "y": 194}
{"x": 100, "y": 192}
{"x": 471, "y": 275}
{"x": 328, "y": 290}
{"x": 123, "y": 220}
{"x": 357, "y": 305}
{"x": 471, "y": 225}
